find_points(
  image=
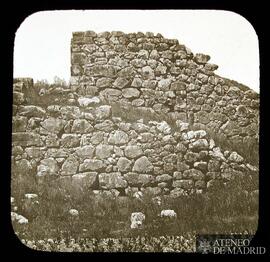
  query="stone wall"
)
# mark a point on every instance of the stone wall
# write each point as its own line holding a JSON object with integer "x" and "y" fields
{"x": 147, "y": 70}
{"x": 84, "y": 147}
{"x": 69, "y": 133}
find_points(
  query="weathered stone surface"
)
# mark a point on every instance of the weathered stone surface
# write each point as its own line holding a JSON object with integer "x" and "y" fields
{"x": 111, "y": 94}
{"x": 142, "y": 165}
{"x": 235, "y": 157}
{"x": 106, "y": 126}
{"x": 70, "y": 166}
{"x": 201, "y": 165}
{"x": 200, "y": 144}
{"x": 164, "y": 127}
{"x": 34, "y": 152}
{"x": 71, "y": 112}
{"x": 135, "y": 179}
{"x": 121, "y": 82}
{"x": 103, "y": 112}
{"x": 47, "y": 166}
{"x": 164, "y": 178}
{"x": 86, "y": 151}
{"x": 130, "y": 92}
{"x": 70, "y": 140}
{"x": 123, "y": 164}
{"x": 185, "y": 184}
{"x": 118, "y": 138}
{"x": 201, "y": 58}
{"x": 32, "y": 111}
{"x": 104, "y": 82}
{"x": 137, "y": 220}
{"x": 194, "y": 174}
{"x": 133, "y": 151}
{"x": 181, "y": 166}
{"x": 177, "y": 192}
{"x": 81, "y": 126}
{"x": 136, "y": 82}
{"x": 53, "y": 125}
{"x": 148, "y": 72}
{"x": 112, "y": 180}
{"x": 86, "y": 101}
{"x": 164, "y": 84}
{"x": 104, "y": 151}
{"x": 216, "y": 153}
{"x": 91, "y": 165}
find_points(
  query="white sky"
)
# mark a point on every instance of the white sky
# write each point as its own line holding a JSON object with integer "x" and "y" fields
{"x": 42, "y": 43}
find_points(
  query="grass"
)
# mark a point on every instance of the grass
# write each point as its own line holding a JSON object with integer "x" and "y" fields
{"x": 222, "y": 210}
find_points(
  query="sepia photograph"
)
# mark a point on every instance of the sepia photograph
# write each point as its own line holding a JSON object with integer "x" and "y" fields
{"x": 136, "y": 131}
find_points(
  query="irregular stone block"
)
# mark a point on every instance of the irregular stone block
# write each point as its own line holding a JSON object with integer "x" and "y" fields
{"x": 194, "y": 174}
{"x": 200, "y": 144}
{"x": 86, "y": 151}
{"x": 70, "y": 140}
{"x": 184, "y": 184}
{"x": 133, "y": 151}
{"x": 91, "y": 165}
{"x": 104, "y": 151}
{"x": 112, "y": 181}
{"x": 143, "y": 165}
{"x": 118, "y": 138}
{"x": 124, "y": 164}
{"x": 104, "y": 82}
{"x": 32, "y": 111}
{"x": 70, "y": 166}
{"x": 130, "y": 92}
{"x": 53, "y": 125}
{"x": 106, "y": 126}
{"x": 164, "y": 178}
{"x": 81, "y": 126}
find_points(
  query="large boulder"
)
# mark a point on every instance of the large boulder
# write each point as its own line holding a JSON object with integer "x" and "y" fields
{"x": 112, "y": 180}
{"x": 123, "y": 164}
{"x": 53, "y": 125}
{"x": 235, "y": 157}
{"x": 120, "y": 82}
{"x": 137, "y": 219}
{"x": 168, "y": 213}
{"x": 91, "y": 165}
{"x": 164, "y": 128}
{"x": 143, "y": 165}
{"x": 32, "y": 111}
{"x": 200, "y": 144}
{"x": 70, "y": 166}
{"x": 86, "y": 151}
{"x": 103, "y": 112}
{"x": 70, "y": 140}
{"x": 130, "y": 92}
{"x": 118, "y": 138}
{"x": 104, "y": 151}
{"x": 81, "y": 126}
{"x": 133, "y": 151}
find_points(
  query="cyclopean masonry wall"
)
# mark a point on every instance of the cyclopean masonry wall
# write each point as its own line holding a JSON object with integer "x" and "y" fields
{"x": 75, "y": 140}
{"x": 147, "y": 70}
